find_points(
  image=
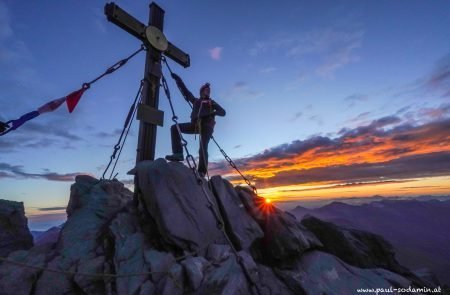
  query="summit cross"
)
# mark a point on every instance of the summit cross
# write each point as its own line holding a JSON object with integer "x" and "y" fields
{"x": 157, "y": 45}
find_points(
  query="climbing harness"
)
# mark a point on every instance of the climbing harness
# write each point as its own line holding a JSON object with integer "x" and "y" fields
{"x": 126, "y": 128}
{"x": 216, "y": 213}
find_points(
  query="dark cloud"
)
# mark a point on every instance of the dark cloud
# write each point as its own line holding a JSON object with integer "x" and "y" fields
{"x": 52, "y": 209}
{"x": 419, "y": 186}
{"x": 37, "y": 135}
{"x": 403, "y": 110}
{"x": 374, "y": 128}
{"x": 51, "y": 128}
{"x": 344, "y": 185}
{"x": 10, "y": 171}
{"x": 4, "y": 175}
{"x": 239, "y": 85}
{"x": 242, "y": 89}
{"x": 296, "y": 116}
{"x": 385, "y": 149}
{"x": 353, "y": 99}
{"x": 439, "y": 80}
{"x": 435, "y": 113}
{"x": 356, "y": 97}
{"x": 115, "y": 133}
{"x": 316, "y": 119}
{"x": 360, "y": 117}
{"x": 435, "y": 164}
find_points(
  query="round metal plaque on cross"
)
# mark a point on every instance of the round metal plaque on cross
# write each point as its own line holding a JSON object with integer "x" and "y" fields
{"x": 156, "y": 38}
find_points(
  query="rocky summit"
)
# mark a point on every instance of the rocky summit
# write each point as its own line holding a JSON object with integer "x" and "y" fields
{"x": 14, "y": 233}
{"x": 178, "y": 236}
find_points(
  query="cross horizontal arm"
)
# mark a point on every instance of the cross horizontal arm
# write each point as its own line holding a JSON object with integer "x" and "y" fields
{"x": 178, "y": 55}
{"x": 121, "y": 18}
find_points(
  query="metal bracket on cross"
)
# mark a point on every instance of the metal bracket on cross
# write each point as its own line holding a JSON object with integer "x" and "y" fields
{"x": 150, "y": 115}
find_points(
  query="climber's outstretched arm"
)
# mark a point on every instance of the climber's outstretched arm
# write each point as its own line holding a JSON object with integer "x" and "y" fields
{"x": 186, "y": 93}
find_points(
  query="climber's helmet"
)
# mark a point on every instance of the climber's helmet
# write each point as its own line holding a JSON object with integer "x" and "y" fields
{"x": 205, "y": 91}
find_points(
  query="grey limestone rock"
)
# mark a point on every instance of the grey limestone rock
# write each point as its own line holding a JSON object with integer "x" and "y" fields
{"x": 169, "y": 243}
{"x": 14, "y": 233}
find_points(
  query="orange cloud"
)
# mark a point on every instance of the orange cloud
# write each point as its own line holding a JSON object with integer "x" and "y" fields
{"x": 384, "y": 150}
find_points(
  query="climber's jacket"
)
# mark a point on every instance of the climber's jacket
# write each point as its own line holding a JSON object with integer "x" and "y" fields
{"x": 202, "y": 108}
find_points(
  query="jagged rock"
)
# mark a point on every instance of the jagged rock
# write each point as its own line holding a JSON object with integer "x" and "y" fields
{"x": 147, "y": 288}
{"x": 149, "y": 244}
{"x": 320, "y": 273}
{"x": 178, "y": 205}
{"x": 91, "y": 285}
{"x": 10, "y": 274}
{"x": 14, "y": 233}
{"x": 284, "y": 237}
{"x": 129, "y": 246}
{"x": 91, "y": 207}
{"x": 226, "y": 279}
{"x": 355, "y": 247}
{"x": 172, "y": 284}
{"x": 50, "y": 236}
{"x": 194, "y": 267}
{"x": 160, "y": 263}
{"x": 242, "y": 229}
{"x": 57, "y": 283}
{"x": 218, "y": 253}
{"x": 427, "y": 276}
{"x": 269, "y": 283}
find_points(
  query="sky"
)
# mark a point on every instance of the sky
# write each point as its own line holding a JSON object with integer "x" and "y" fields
{"x": 324, "y": 99}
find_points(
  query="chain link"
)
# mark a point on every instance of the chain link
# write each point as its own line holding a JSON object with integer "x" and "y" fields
{"x": 114, "y": 67}
{"x": 233, "y": 165}
{"x": 126, "y": 127}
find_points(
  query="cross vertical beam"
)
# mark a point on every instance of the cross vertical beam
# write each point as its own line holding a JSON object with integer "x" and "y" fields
{"x": 150, "y": 91}
{"x": 148, "y": 113}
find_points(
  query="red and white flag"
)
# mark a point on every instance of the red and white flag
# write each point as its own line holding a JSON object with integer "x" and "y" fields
{"x": 51, "y": 106}
{"x": 73, "y": 98}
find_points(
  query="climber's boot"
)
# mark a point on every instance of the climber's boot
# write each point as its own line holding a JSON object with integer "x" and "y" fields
{"x": 176, "y": 157}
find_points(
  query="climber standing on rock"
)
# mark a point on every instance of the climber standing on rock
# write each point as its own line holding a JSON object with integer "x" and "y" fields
{"x": 202, "y": 122}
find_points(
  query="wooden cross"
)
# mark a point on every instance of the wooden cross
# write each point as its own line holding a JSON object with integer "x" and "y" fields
{"x": 148, "y": 113}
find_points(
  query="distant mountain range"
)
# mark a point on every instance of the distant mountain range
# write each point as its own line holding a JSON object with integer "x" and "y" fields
{"x": 319, "y": 202}
{"x": 49, "y": 236}
{"x": 417, "y": 228}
